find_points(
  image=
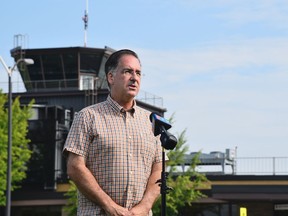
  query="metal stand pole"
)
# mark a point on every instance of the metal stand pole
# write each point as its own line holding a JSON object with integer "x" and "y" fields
{"x": 163, "y": 185}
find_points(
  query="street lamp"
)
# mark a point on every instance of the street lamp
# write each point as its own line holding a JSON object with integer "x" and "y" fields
{"x": 9, "y": 147}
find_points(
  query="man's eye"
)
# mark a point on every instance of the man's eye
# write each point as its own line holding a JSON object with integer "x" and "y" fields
{"x": 131, "y": 72}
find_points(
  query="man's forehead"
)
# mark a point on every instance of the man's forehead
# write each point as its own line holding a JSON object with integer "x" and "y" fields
{"x": 125, "y": 60}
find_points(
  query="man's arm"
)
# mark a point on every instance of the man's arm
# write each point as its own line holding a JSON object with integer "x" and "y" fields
{"x": 151, "y": 194}
{"x": 89, "y": 187}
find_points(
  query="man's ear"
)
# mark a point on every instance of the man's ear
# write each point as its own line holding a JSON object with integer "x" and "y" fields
{"x": 110, "y": 78}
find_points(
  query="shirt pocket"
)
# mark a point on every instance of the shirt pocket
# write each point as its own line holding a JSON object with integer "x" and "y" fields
{"x": 148, "y": 151}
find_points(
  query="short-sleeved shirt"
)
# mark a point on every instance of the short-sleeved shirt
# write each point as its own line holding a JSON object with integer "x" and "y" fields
{"x": 119, "y": 148}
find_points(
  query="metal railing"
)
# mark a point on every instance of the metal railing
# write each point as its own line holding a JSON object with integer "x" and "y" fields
{"x": 72, "y": 84}
{"x": 247, "y": 166}
{"x": 261, "y": 166}
{"x": 150, "y": 98}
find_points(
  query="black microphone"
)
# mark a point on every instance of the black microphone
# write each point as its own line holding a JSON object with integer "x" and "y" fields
{"x": 160, "y": 126}
{"x": 157, "y": 122}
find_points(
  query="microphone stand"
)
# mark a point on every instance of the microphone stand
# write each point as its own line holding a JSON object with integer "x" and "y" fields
{"x": 168, "y": 142}
{"x": 163, "y": 185}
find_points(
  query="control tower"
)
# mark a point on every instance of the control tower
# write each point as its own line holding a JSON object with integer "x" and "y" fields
{"x": 71, "y": 68}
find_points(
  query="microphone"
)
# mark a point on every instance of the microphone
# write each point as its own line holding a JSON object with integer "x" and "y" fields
{"x": 160, "y": 125}
{"x": 157, "y": 122}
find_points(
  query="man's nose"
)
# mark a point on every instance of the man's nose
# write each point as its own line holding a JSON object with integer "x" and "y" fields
{"x": 134, "y": 76}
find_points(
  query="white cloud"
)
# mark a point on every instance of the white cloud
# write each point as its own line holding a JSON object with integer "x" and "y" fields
{"x": 268, "y": 12}
{"x": 225, "y": 94}
{"x": 175, "y": 66}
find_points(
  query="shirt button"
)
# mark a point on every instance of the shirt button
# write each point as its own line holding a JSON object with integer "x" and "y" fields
{"x": 130, "y": 137}
{"x": 130, "y": 155}
{"x": 131, "y": 172}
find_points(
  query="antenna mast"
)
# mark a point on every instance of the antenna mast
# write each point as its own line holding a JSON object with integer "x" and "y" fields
{"x": 85, "y": 19}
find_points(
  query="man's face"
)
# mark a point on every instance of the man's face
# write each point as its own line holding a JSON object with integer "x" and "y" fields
{"x": 126, "y": 79}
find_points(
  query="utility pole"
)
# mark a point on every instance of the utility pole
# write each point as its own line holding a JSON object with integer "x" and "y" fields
{"x": 85, "y": 19}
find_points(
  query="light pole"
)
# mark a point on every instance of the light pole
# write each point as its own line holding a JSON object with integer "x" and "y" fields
{"x": 9, "y": 147}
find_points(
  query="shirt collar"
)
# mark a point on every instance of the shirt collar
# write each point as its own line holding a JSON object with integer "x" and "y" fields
{"x": 120, "y": 109}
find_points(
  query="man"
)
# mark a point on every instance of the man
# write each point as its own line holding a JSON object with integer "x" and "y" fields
{"x": 113, "y": 157}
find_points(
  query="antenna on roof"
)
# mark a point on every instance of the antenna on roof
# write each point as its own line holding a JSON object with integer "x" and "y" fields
{"x": 85, "y": 19}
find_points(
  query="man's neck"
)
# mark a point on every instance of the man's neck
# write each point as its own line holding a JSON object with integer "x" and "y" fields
{"x": 126, "y": 104}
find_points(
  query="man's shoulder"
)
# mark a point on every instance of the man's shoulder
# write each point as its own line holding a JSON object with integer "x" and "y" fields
{"x": 94, "y": 109}
{"x": 142, "y": 110}
{"x": 142, "y": 113}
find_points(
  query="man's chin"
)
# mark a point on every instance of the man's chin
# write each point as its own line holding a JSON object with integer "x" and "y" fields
{"x": 133, "y": 91}
{"x": 133, "y": 94}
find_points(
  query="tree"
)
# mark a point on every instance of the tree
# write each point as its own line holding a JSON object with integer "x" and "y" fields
{"x": 185, "y": 186}
{"x": 20, "y": 150}
{"x": 71, "y": 194}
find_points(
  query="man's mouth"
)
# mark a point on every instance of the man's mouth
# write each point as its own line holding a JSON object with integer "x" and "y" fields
{"x": 132, "y": 86}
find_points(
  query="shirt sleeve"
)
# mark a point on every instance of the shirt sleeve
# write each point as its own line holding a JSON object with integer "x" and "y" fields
{"x": 78, "y": 138}
{"x": 159, "y": 150}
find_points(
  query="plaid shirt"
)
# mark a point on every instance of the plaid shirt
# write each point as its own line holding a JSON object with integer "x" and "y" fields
{"x": 119, "y": 149}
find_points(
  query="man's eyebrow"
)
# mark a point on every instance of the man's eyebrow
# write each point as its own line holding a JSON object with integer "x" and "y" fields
{"x": 131, "y": 69}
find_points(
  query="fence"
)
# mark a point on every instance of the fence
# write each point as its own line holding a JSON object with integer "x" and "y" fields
{"x": 261, "y": 166}
{"x": 71, "y": 84}
{"x": 242, "y": 166}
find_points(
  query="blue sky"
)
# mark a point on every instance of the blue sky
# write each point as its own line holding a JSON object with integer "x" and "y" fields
{"x": 221, "y": 66}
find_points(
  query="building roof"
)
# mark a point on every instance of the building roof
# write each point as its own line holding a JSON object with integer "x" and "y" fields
{"x": 63, "y": 68}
